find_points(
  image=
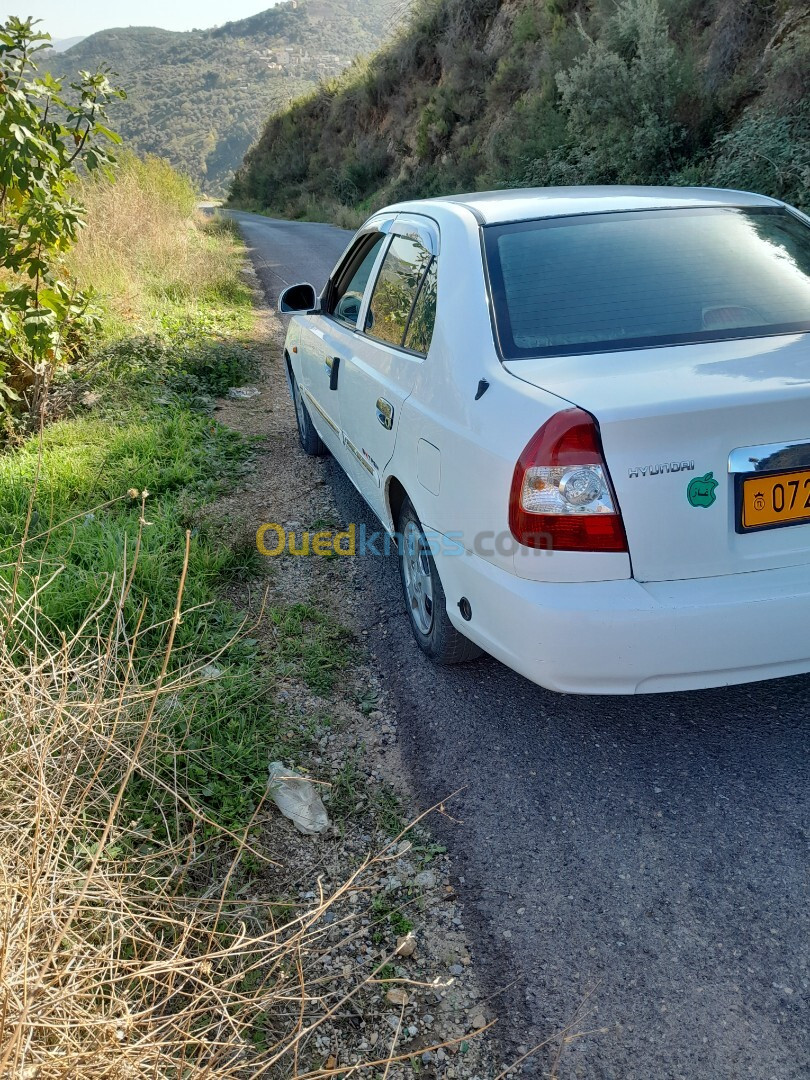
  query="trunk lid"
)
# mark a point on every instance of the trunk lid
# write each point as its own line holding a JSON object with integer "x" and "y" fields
{"x": 673, "y": 415}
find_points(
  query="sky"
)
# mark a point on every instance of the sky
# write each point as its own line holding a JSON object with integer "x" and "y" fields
{"x": 82, "y": 17}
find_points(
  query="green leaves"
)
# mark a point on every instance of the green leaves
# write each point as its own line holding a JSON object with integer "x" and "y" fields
{"x": 619, "y": 97}
{"x": 46, "y": 140}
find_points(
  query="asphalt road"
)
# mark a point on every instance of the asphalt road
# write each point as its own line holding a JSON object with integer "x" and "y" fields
{"x": 641, "y": 860}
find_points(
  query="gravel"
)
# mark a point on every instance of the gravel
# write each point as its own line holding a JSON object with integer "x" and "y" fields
{"x": 431, "y": 1005}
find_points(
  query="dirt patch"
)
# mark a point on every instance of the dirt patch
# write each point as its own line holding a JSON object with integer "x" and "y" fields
{"x": 346, "y": 739}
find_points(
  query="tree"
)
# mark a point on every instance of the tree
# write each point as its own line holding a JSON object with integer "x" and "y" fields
{"x": 619, "y": 97}
{"x": 46, "y": 139}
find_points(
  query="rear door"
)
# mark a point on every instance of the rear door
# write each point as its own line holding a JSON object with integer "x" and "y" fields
{"x": 326, "y": 338}
{"x": 381, "y": 368}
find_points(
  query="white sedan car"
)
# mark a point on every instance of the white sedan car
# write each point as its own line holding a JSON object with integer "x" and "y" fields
{"x": 585, "y": 414}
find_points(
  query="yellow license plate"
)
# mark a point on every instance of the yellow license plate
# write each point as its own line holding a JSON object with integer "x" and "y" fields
{"x": 781, "y": 499}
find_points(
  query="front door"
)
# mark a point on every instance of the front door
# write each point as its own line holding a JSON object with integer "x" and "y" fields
{"x": 328, "y": 337}
{"x": 379, "y": 372}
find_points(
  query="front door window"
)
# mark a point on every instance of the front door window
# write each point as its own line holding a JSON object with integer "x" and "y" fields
{"x": 349, "y": 284}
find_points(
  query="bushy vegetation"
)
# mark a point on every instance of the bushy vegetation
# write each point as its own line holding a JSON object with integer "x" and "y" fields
{"x": 138, "y": 940}
{"x": 476, "y": 94}
{"x": 46, "y": 137}
{"x": 199, "y": 98}
{"x": 127, "y": 459}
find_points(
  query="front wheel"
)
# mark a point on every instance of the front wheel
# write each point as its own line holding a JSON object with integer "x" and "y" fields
{"x": 424, "y": 596}
{"x": 309, "y": 438}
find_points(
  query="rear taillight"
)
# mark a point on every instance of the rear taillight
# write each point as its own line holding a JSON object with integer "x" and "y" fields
{"x": 561, "y": 497}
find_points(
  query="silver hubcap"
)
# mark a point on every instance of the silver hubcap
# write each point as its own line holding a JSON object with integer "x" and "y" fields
{"x": 417, "y": 579}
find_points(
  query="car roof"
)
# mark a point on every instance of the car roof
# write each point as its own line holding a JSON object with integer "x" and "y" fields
{"x": 522, "y": 204}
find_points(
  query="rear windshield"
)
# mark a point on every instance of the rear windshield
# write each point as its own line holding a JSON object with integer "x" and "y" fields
{"x": 604, "y": 282}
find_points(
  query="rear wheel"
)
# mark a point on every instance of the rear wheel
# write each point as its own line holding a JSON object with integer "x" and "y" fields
{"x": 424, "y": 596}
{"x": 309, "y": 438}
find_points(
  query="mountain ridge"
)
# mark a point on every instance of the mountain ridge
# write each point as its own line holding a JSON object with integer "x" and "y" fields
{"x": 199, "y": 97}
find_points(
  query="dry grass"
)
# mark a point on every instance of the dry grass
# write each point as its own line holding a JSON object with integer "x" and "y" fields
{"x": 145, "y": 243}
{"x": 111, "y": 963}
{"x": 124, "y": 954}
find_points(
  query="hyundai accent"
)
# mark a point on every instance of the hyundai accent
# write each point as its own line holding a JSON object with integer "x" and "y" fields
{"x": 585, "y": 415}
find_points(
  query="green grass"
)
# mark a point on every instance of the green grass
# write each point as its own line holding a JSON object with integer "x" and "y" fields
{"x": 182, "y": 458}
{"x": 388, "y": 916}
{"x": 151, "y": 429}
{"x": 348, "y": 789}
{"x": 175, "y": 265}
{"x": 310, "y": 643}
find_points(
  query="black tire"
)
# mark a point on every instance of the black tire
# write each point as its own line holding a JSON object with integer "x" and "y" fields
{"x": 311, "y": 442}
{"x": 435, "y": 634}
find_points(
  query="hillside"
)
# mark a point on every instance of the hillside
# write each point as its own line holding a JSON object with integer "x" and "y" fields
{"x": 481, "y": 93}
{"x": 200, "y": 98}
{"x": 62, "y": 44}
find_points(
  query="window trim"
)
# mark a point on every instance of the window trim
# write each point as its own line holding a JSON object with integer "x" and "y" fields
{"x": 629, "y": 344}
{"x": 423, "y": 229}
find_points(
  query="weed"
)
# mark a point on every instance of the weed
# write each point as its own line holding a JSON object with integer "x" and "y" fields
{"x": 388, "y": 915}
{"x": 367, "y": 700}
{"x": 348, "y": 789}
{"x": 388, "y": 811}
{"x": 386, "y": 975}
{"x": 134, "y": 473}
{"x": 108, "y": 964}
{"x": 312, "y": 640}
{"x": 143, "y": 254}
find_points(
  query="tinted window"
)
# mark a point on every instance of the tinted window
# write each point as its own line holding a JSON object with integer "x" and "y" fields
{"x": 611, "y": 281}
{"x": 420, "y": 328}
{"x": 396, "y": 289}
{"x": 352, "y": 278}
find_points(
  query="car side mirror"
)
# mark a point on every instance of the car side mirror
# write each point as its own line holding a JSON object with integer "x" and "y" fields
{"x": 297, "y": 299}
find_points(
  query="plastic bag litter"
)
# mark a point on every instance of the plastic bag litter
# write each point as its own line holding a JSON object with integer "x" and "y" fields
{"x": 297, "y": 799}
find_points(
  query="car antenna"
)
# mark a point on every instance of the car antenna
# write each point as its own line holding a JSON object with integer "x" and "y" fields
{"x": 483, "y": 386}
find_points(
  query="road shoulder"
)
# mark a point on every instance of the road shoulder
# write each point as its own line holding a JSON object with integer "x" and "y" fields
{"x": 343, "y": 733}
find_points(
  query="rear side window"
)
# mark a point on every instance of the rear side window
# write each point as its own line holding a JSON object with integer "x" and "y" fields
{"x": 397, "y": 290}
{"x": 605, "y": 282}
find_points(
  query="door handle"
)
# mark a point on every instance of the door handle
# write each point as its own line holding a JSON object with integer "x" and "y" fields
{"x": 385, "y": 413}
{"x": 333, "y": 366}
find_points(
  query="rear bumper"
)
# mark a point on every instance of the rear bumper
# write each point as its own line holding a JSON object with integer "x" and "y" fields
{"x": 628, "y": 637}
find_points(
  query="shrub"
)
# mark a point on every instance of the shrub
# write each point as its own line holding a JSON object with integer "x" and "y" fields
{"x": 45, "y": 138}
{"x": 766, "y": 152}
{"x": 526, "y": 27}
{"x": 619, "y": 98}
{"x": 544, "y": 91}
